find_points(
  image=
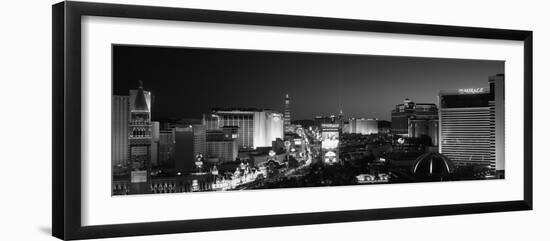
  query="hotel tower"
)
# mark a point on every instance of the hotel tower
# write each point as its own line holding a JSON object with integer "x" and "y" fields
{"x": 472, "y": 125}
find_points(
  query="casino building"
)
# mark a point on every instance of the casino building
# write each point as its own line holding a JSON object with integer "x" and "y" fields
{"x": 472, "y": 125}
{"x": 368, "y": 126}
{"x": 416, "y": 120}
{"x": 410, "y": 113}
{"x": 139, "y": 140}
{"x": 256, "y": 128}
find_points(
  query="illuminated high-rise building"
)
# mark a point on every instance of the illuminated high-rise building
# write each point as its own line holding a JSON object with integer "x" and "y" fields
{"x": 472, "y": 125}
{"x": 367, "y": 126}
{"x": 120, "y": 114}
{"x": 140, "y": 138}
{"x": 287, "y": 121}
{"x": 256, "y": 128}
{"x": 363, "y": 126}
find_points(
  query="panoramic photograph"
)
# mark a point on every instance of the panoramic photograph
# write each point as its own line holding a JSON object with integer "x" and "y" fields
{"x": 206, "y": 120}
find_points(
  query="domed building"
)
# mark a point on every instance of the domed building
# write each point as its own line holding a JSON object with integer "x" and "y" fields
{"x": 432, "y": 166}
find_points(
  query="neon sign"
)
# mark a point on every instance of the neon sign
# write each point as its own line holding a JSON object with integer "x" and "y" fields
{"x": 471, "y": 91}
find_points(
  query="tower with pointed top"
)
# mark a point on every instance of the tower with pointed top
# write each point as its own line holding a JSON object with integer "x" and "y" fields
{"x": 341, "y": 119}
{"x": 287, "y": 125}
{"x": 139, "y": 140}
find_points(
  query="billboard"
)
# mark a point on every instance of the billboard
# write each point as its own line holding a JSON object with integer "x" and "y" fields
{"x": 329, "y": 136}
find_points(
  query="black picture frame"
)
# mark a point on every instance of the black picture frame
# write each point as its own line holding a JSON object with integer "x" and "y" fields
{"x": 66, "y": 159}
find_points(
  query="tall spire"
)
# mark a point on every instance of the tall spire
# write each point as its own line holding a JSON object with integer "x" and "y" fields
{"x": 287, "y": 114}
{"x": 341, "y": 108}
{"x": 341, "y": 117}
{"x": 340, "y": 105}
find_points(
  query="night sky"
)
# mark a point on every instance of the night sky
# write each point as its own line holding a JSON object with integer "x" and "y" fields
{"x": 187, "y": 82}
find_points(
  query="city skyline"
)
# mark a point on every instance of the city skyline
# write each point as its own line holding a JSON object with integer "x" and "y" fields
{"x": 362, "y": 85}
{"x": 246, "y": 134}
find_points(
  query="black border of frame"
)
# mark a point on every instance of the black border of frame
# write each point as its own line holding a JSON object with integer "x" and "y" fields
{"x": 66, "y": 125}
